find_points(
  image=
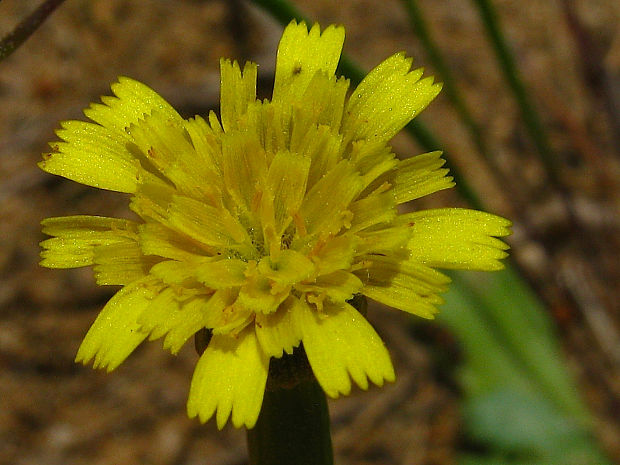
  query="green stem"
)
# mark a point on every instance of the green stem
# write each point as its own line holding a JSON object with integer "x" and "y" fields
{"x": 293, "y": 428}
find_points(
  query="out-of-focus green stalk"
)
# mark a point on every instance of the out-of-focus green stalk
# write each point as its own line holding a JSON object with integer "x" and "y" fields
{"x": 20, "y": 34}
{"x": 293, "y": 427}
{"x": 284, "y": 11}
{"x": 419, "y": 26}
{"x": 511, "y": 74}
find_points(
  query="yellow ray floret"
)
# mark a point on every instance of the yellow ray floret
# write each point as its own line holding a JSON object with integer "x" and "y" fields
{"x": 360, "y": 355}
{"x": 116, "y": 331}
{"x": 229, "y": 380}
{"x": 261, "y": 229}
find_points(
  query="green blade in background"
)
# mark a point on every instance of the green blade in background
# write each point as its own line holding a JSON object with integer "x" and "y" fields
{"x": 520, "y": 401}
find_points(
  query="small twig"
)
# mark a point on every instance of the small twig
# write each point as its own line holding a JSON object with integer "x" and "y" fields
{"x": 20, "y": 34}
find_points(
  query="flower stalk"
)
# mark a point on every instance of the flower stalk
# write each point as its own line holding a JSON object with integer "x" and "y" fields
{"x": 293, "y": 427}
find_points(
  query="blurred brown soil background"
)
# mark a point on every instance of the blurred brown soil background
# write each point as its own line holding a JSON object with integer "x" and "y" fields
{"x": 53, "y": 411}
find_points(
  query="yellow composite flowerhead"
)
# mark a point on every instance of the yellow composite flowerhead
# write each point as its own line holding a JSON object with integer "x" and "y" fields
{"x": 262, "y": 225}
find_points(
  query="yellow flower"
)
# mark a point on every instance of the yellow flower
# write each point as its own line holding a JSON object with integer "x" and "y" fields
{"x": 262, "y": 226}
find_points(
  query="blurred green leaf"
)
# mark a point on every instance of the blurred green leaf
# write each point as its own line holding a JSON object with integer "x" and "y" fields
{"x": 520, "y": 402}
{"x": 518, "y": 422}
{"x": 502, "y": 325}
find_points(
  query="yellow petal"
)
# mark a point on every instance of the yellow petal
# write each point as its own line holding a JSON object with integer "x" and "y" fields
{"x": 211, "y": 226}
{"x": 74, "y": 227}
{"x": 153, "y": 319}
{"x": 301, "y": 54}
{"x": 184, "y": 323}
{"x": 386, "y": 100}
{"x": 206, "y": 142}
{"x": 376, "y": 208}
{"x": 223, "y": 315}
{"x": 418, "y": 176}
{"x": 176, "y": 316}
{"x": 391, "y": 241}
{"x": 329, "y": 198}
{"x": 259, "y": 295}
{"x": 321, "y": 104}
{"x": 335, "y": 254}
{"x": 78, "y": 236}
{"x": 244, "y": 165}
{"x": 156, "y": 239}
{"x": 340, "y": 345}
{"x": 164, "y": 144}
{"x": 372, "y": 159}
{"x": 270, "y": 122}
{"x": 320, "y": 145}
{"x": 151, "y": 201}
{"x": 216, "y": 127}
{"x": 288, "y": 267}
{"x": 237, "y": 91}
{"x": 406, "y": 285}
{"x": 286, "y": 187}
{"x": 92, "y": 155}
{"x": 222, "y": 273}
{"x": 339, "y": 286}
{"x": 98, "y": 155}
{"x": 120, "y": 264}
{"x": 279, "y": 332}
{"x": 457, "y": 238}
{"x": 133, "y": 100}
{"x": 229, "y": 377}
{"x": 116, "y": 332}
{"x": 183, "y": 273}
